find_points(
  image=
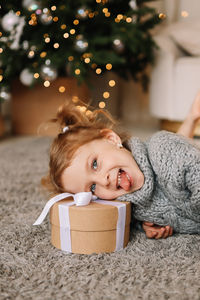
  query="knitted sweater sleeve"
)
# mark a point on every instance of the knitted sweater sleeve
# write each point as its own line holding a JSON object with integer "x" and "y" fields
{"x": 176, "y": 164}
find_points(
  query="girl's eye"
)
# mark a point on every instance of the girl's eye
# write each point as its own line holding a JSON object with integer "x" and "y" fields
{"x": 94, "y": 164}
{"x": 93, "y": 187}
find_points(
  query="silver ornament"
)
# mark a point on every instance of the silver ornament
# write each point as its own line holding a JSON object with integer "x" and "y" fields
{"x": 133, "y": 4}
{"x": 47, "y": 62}
{"x": 26, "y": 77}
{"x": 31, "y": 5}
{"x": 81, "y": 43}
{"x": 46, "y": 17}
{"x": 134, "y": 19}
{"x": 82, "y": 13}
{"x": 9, "y": 21}
{"x": 48, "y": 72}
{"x": 25, "y": 45}
{"x": 118, "y": 45}
{"x": 5, "y": 94}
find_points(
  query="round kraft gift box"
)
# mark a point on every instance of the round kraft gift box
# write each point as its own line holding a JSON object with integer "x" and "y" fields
{"x": 32, "y": 108}
{"x": 94, "y": 228}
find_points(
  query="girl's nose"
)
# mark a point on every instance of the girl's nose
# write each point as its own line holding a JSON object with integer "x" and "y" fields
{"x": 103, "y": 179}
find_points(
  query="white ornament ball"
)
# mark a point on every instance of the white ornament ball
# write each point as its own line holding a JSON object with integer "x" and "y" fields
{"x": 5, "y": 94}
{"x": 118, "y": 45}
{"x": 82, "y": 13}
{"x": 133, "y": 4}
{"x": 26, "y": 77}
{"x": 25, "y": 45}
{"x": 31, "y": 5}
{"x": 46, "y": 18}
{"x": 9, "y": 21}
{"x": 81, "y": 43}
{"x": 48, "y": 72}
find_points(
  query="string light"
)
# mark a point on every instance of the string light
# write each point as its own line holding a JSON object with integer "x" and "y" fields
{"x": 77, "y": 71}
{"x": 87, "y": 55}
{"x": 1, "y": 50}
{"x": 47, "y": 83}
{"x": 108, "y": 67}
{"x": 63, "y": 26}
{"x": 76, "y": 22}
{"x": 53, "y": 8}
{"x": 102, "y": 104}
{"x": 87, "y": 60}
{"x": 18, "y": 13}
{"x": 31, "y": 53}
{"x": 88, "y": 113}
{"x": 111, "y": 83}
{"x": 66, "y": 35}
{"x": 61, "y": 89}
{"x": 55, "y": 19}
{"x": 0, "y": 33}
{"x": 105, "y": 10}
{"x": 72, "y": 31}
{"x": 36, "y": 75}
{"x": 70, "y": 58}
{"x": 184, "y": 14}
{"x": 98, "y": 1}
{"x": 75, "y": 99}
{"x": 1, "y": 78}
{"x": 106, "y": 95}
{"x": 42, "y": 54}
{"x": 56, "y": 45}
{"x": 94, "y": 66}
{"x": 120, "y": 16}
{"x": 47, "y": 40}
{"x": 129, "y": 20}
{"x": 82, "y": 108}
{"x": 162, "y": 16}
{"x": 117, "y": 20}
{"x": 107, "y": 14}
{"x": 98, "y": 71}
{"x": 91, "y": 15}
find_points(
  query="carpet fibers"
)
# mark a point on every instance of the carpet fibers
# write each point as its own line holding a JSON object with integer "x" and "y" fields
{"x": 31, "y": 268}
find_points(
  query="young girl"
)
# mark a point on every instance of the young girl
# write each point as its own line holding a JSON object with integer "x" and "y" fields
{"x": 161, "y": 177}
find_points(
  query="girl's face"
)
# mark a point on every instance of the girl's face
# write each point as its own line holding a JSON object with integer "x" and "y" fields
{"x": 103, "y": 168}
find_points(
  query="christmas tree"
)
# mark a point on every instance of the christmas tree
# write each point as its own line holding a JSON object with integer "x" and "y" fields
{"x": 40, "y": 40}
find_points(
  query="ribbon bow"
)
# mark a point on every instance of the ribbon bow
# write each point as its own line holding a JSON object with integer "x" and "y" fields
{"x": 80, "y": 199}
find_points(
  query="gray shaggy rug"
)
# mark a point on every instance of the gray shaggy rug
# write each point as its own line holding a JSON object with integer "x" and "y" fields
{"x": 31, "y": 268}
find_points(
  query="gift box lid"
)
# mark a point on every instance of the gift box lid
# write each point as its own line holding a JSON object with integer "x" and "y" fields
{"x": 92, "y": 217}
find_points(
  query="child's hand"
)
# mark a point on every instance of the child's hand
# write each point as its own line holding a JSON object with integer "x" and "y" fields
{"x": 156, "y": 231}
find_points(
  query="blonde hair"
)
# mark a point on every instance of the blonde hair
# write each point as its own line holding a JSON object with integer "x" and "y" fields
{"x": 84, "y": 125}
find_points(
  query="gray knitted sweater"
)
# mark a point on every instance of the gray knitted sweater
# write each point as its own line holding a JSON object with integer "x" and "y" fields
{"x": 171, "y": 191}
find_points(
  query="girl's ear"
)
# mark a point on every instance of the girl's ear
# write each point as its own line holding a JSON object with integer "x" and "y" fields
{"x": 111, "y": 136}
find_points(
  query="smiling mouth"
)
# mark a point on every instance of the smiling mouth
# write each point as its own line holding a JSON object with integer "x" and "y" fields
{"x": 123, "y": 180}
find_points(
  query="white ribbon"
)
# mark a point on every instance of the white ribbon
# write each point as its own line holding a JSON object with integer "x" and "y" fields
{"x": 80, "y": 199}
{"x": 121, "y": 222}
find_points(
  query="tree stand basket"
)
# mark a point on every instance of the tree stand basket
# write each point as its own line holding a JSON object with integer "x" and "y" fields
{"x": 32, "y": 108}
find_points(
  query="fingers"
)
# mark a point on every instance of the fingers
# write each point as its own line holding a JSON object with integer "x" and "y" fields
{"x": 164, "y": 232}
{"x": 160, "y": 233}
{"x": 156, "y": 231}
{"x": 148, "y": 223}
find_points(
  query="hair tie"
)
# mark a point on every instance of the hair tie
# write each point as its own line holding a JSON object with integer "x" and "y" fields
{"x": 66, "y": 128}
